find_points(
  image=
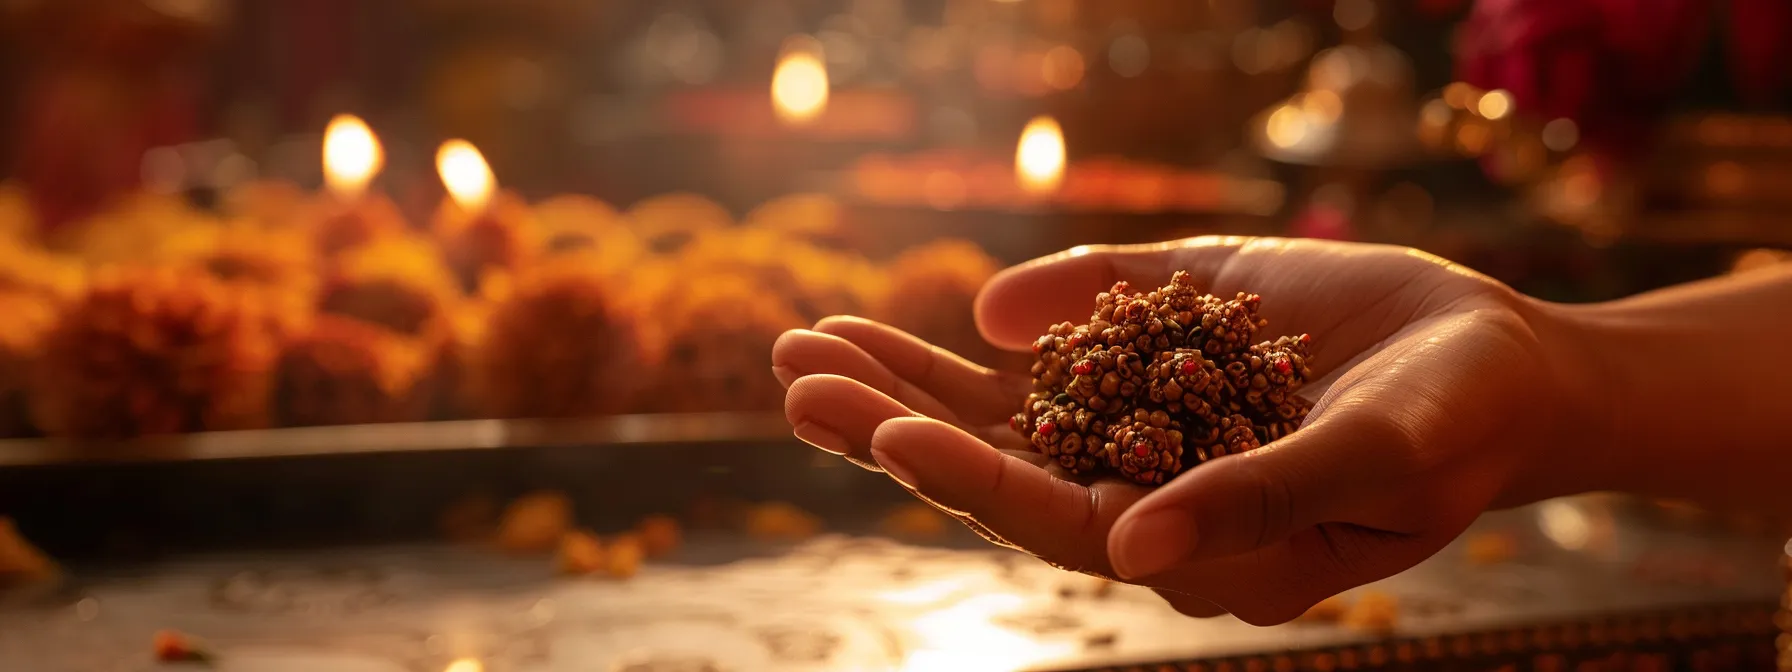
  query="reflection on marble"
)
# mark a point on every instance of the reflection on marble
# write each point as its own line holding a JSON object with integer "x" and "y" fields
{"x": 834, "y": 603}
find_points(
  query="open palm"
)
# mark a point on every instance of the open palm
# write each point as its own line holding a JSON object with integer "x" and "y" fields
{"x": 1433, "y": 388}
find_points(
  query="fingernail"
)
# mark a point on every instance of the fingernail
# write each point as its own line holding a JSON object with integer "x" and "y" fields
{"x": 1152, "y": 543}
{"x": 821, "y": 437}
{"x": 893, "y": 465}
{"x": 786, "y": 375}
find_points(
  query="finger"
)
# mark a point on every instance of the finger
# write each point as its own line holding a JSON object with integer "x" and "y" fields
{"x": 800, "y": 352}
{"x": 839, "y": 414}
{"x": 1063, "y": 523}
{"x": 1020, "y": 303}
{"x": 975, "y": 394}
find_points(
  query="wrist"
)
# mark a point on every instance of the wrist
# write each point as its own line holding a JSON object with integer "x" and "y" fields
{"x": 1580, "y": 428}
{"x": 1680, "y": 391}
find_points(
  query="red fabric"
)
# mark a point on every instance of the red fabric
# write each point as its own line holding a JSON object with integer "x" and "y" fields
{"x": 84, "y": 133}
{"x": 1760, "y": 48}
{"x": 1610, "y": 65}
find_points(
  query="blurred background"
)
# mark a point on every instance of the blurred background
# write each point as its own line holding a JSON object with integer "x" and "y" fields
{"x": 377, "y": 260}
{"x": 417, "y": 195}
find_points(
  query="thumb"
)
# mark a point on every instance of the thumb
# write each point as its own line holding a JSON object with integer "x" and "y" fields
{"x": 1370, "y": 454}
{"x": 1333, "y": 470}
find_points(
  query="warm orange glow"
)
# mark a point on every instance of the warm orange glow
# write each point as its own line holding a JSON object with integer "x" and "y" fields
{"x": 1560, "y": 135}
{"x": 1494, "y": 104}
{"x": 352, "y": 156}
{"x": 1322, "y": 106}
{"x": 965, "y": 635}
{"x": 944, "y": 190}
{"x": 800, "y": 83}
{"x": 1472, "y": 139}
{"x": 1460, "y": 95}
{"x": 465, "y": 665}
{"x": 1726, "y": 179}
{"x": 1039, "y": 160}
{"x": 466, "y": 175}
{"x": 1063, "y": 68}
{"x": 1287, "y": 126}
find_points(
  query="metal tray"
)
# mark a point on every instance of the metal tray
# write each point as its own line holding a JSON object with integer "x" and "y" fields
{"x": 457, "y": 435}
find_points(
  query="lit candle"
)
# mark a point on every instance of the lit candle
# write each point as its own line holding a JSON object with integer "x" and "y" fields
{"x": 352, "y": 156}
{"x": 1039, "y": 159}
{"x": 352, "y": 217}
{"x": 485, "y": 234}
{"x": 800, "y": 82}
{"x": 465, "y": 173}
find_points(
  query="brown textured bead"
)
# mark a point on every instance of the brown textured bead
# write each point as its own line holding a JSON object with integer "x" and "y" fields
{"x": 1147, "y": 448}
{"x": 1227, "y": 327}
{"x": 1074, "y": 436}
{"x": 1166, "y": 378}
{"x": 1233, "y": 434}
{"x": 1187, "y": 383}
{"x": 1107, "y": 380}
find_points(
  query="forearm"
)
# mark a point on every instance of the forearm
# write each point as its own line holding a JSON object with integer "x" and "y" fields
{"x": 1696, "y": 390}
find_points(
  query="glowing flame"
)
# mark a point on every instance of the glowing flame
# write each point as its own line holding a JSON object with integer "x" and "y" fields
{"x": 352, "y": 156}
{"x": 465, "y": 665}
{"x": 464, "y": 172}
{"x": 800, "y": 84}
{"x": 1039, "y": 160}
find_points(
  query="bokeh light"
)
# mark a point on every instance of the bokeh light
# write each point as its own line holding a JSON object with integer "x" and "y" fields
{"x": 800, "y": 83}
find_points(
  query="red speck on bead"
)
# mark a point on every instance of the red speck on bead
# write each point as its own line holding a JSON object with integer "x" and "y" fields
{"x": 1082, "y": 368}
{"x": 1283, "y": 367}
{"x": 1048, "y": 428}
{"x": 1306, "y": 338}
{"x": 1190, "y": 367}
{"x": 1141, "y": 449}
{"x": 1076, "y": 340}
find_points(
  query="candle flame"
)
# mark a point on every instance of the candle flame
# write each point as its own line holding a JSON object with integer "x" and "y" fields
{"x": 352, "y": 156}
{"x": 1039, "y": 160}
{"x": 464, "y": 172}
{"x": 800, "y": 83}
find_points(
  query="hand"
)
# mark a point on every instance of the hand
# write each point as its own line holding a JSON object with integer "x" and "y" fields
{"x": 1441, "y": 393}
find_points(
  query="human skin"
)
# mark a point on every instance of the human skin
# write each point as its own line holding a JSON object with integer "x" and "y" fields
{"x": 1441, "y": 394}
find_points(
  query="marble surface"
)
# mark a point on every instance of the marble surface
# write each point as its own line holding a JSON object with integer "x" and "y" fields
{"x": 832, "y": 603}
